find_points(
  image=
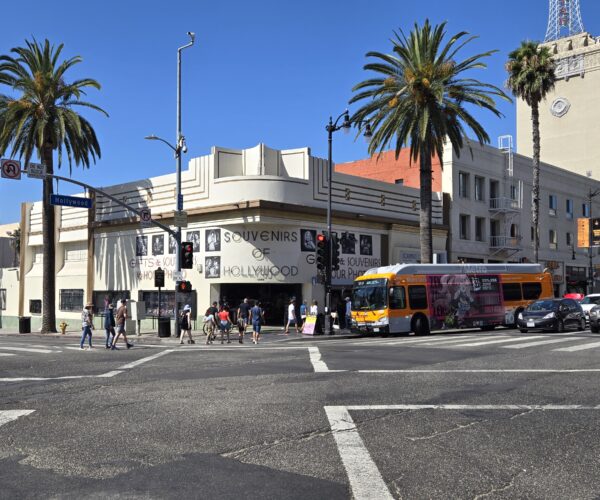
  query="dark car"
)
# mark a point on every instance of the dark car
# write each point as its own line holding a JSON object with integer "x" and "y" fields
{"x": 552, "y": 314}
{"x": 594, "y": 319}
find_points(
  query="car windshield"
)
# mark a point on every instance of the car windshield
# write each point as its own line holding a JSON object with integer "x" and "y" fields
{"x": 591, "y": 300}
{"x": 543, "y": 305}
{"x": 370, "y": 295}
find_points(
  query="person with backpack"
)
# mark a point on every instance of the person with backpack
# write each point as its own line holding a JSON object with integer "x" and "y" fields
{"x": 122, "y": 316}
{"x": 257, "y": 317}
{"x": 185, "y": 323}
{"x": 109, "y": 325}
{"x": 303, "y": 313}
{"x": 211, "y": 318}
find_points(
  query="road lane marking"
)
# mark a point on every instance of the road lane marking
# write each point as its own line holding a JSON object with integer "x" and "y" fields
{"x": 6, "y": 354}
{"x": 145, "y": 360}
{"x": 26, "y": 349}
{"x": 456, "y": 341}
{"x": 486, "y": 370}
{"x": 10, "y": 415}
{"x": 315, "y": 358}
{"x": 402, "y": 341}
{"x": 501, "y": 341}
{"x": 364, "y": 477}
{"x": 540, "y": 342}
{"x": 581, "y": 347}
{"x": 470, "y": 407}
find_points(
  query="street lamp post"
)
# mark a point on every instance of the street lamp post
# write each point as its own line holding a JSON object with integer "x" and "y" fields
{"x": 179, "y": 148}
{"x": 333, "y": 126}
{"x": 591, "y": 196}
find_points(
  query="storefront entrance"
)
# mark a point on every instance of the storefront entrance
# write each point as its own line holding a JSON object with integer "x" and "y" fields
{"x": 274, "y": 298}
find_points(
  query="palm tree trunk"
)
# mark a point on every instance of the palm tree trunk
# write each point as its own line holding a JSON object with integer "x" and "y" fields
{"x": 48, "y": 266}
{"x": 535, "y": 216}
{"x": 425, "y": 236}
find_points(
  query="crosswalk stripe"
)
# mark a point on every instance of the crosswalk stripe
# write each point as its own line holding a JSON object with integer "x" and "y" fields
{"x": 6, "y": 354}
{"x": 501, "y": 341}
{"x": 540, "y": 342}
{"x": 580, "y": 347}
{"x": 402, "y": 341}
{"x": 464, "y": 339}
{"x": 10, "y": 415}
{"x": 26, "y": 349}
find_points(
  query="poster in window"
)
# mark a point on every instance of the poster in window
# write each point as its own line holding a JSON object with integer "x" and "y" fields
{"x": 172, "y": 245}
{"x": 308, "y": 240}
{"x": 194, "y": 238}
{"x": 158, "y": 244}
{"x": 212, "y": 267}
{"x": 366, "y": 244}
{"x": 141, "y": 246}
{"x": 348, "y": 243}
{"x": 465, "y": 301}
{"x": 213, "y": 240}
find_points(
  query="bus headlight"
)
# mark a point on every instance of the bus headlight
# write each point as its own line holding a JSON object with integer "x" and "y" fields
{"x": 383, "y": 321}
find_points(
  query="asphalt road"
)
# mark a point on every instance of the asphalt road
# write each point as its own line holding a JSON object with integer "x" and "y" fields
{"x": 470, "y": 415}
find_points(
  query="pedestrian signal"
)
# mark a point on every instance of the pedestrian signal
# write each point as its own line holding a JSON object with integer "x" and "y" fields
{"x": 184, "y": 287}
{"x": 187, "y": 255}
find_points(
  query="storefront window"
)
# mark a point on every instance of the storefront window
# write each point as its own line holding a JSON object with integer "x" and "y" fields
{"x": 113, "y": 296}
{"x": 167, "y": 303}
{"x": 35, "y": 306}
{"x": 71, "y": 300}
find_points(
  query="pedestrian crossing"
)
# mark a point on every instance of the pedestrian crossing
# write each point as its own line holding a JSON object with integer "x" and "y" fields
{"x": 501, "y": 341}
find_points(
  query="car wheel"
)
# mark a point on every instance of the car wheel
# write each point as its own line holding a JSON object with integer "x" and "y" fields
{"x": 560, "y": 326}
{"x": 421, "y": 326}
{"x": 581, "y": 325}
{"x": 523, "y": 330}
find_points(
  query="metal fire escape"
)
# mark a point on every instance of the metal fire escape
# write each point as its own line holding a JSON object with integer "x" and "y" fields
{"x": 506, "y": 207}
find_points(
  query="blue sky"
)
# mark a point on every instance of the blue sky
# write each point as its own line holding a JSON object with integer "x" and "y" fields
{"x": 268, "y": 71}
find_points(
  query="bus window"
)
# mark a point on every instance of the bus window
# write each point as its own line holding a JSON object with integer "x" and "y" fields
{"x": 532, "y": 291}
{"x": 511, "y": 291}
{"x": 417, "y": 295}
{"x": 397, "y": 298}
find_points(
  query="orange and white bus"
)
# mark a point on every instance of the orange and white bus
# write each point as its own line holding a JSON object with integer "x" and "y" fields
{"x": 420, "y": 298}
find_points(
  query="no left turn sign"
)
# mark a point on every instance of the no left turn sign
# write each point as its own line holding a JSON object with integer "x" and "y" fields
{"x": 145, "y": 217}
{"x": 11, "y": 169}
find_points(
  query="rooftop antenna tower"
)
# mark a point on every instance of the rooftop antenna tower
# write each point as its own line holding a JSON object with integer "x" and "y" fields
{"x": 565, "y": 19}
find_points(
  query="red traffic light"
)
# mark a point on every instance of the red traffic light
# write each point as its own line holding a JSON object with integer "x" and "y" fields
{"x": 320, "y": 237}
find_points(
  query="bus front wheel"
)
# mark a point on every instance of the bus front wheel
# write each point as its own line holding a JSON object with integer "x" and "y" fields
{"x": 420, "y": 326}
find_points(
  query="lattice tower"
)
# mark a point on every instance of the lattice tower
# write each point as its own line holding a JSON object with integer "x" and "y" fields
{"x": 564, "y": 20}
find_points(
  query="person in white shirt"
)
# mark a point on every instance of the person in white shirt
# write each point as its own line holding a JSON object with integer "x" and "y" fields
{"x": 291, "y": 317}
{"x": 314, "y": 308}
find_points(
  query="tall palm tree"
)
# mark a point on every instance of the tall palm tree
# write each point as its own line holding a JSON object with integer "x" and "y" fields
{"x": 530, "y": 77}
{"x": 418, "y": 98}
{"x": 41, "y": 120}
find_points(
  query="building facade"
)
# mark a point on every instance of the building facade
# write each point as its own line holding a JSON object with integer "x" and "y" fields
{"x": 487, "y": 193}
{"x": 570, "y": 115}
{"x": 253, "y": 217}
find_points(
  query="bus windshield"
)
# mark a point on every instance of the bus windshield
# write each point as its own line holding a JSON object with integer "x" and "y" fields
{"x": 369, "y": 295}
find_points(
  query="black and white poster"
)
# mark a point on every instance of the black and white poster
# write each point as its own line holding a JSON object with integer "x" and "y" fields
{"x": 308, "y": 240}
{"x": 366, "y": 244}
{"x": 194, "y": 238}
{"x": 212, "y": 267}
{"x": 213, "y": 240}
{"x": 158, "y": 244}
{"x": 348, "y": 243}
{"x": 172, "y": 245}
{"x": 141, "y": 246}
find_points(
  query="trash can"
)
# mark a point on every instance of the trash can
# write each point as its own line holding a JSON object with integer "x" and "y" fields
{"x": 164, "y": 327}
{"x": 24, "y": 324}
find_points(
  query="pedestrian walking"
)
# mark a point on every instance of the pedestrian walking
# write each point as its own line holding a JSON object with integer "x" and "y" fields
{"x": 243, "y": 314}
{"x": 303, "y": 312}
{"x": 211, "y": 319}
{"x": 291, "y": 317}
{"x": 185, "y": 323}
{"x": 122, "y": 316}
{"x": 109, "y": 325}
{"x": 314, "y": 308}
{"x": 257, "y": 317}
{"x": 348, "y": 312}
{"x": 224, "y": 323}
{"x": 87, "y": 325}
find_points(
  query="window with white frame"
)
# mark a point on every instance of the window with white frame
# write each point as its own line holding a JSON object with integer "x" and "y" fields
{"x": 479, "y": 228}
{"x": 569, "y": 237}
{"x": 465, "y": 221}
{"x": 75, "y": 252}
{"x": 71, "y": 300}
{"x": 463, "y": 185}
{"x": 569, "y": 209}
{"x": 38, "y": 255}
{"x": 552, "y": 239}
{"x": 552, "y": 204}
{"x": 585, "y": 210}
{"x": 479, "y": 188}
{"x": 514, "y": 192}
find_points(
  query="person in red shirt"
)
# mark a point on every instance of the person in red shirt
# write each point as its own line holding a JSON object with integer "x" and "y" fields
{"x": 224, "y": 323}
